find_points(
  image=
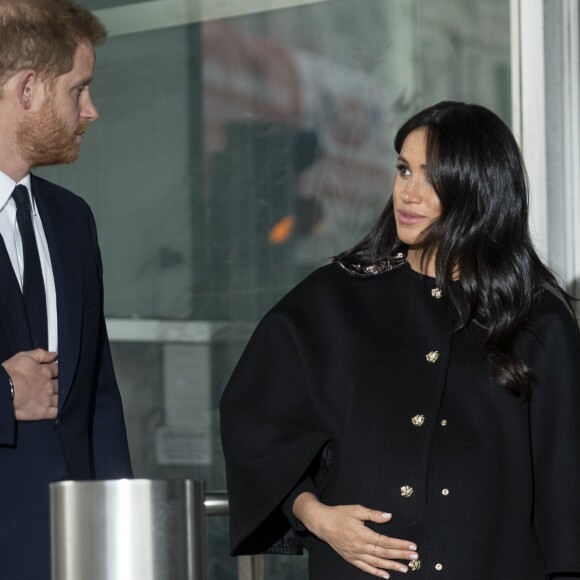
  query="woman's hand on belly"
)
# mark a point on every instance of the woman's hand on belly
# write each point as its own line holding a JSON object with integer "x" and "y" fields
{"x": 342, "y": 528}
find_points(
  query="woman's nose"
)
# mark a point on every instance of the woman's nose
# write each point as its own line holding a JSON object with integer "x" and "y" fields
{"x": 412, "y": 192}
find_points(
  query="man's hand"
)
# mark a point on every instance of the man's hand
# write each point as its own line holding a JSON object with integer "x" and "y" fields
{"x": 343, "y": 528}
{"x": 34, "y": 375}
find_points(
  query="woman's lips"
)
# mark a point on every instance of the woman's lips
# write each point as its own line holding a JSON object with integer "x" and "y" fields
{"x": 408, "y": 218}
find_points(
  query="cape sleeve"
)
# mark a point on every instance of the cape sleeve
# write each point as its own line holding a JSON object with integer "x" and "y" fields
{"x": 273, "y": 432}
{"x": 553, "y": 353}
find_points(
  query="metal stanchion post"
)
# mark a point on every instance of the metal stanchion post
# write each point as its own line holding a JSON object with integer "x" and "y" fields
{"x": 136, "y": 530}
{"x": 128, "y": 530}
{"x": 251, "y": 567}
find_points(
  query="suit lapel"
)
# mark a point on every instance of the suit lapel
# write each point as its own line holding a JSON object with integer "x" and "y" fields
{"x": 60, "y": 231}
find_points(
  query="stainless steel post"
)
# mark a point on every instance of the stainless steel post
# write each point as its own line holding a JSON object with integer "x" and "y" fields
{"x": 216, "y": 503}
{"x": 128, "y": 530}
{"x": 251, "y": 567}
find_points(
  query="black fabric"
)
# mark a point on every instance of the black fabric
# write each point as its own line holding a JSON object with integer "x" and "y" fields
{"x": 306, "y": 485}
{"x": 33, "y": 284}
{"x": 343, "y": 359}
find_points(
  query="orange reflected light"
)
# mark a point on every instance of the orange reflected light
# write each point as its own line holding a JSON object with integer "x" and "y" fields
{"x": 282, "y": 230}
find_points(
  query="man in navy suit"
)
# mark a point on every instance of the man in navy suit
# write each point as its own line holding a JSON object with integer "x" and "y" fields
{"x": 61, "y": 415}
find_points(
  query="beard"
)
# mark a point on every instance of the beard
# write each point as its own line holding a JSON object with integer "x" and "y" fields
{"x": 44, "y": 139}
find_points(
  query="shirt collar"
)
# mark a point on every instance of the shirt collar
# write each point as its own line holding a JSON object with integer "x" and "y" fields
{"x": 7, "y": 185}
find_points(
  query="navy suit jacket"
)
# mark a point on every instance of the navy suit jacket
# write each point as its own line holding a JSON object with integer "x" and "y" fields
{"x": 88, "y": 439}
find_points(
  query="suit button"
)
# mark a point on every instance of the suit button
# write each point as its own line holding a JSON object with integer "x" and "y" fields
{"x": 443, "y": 422}
{"x": 58, "y": 422}
{"x": 438, "y": 567}
{"x": 445, "y": 491}
{"x": 407, "y": 491}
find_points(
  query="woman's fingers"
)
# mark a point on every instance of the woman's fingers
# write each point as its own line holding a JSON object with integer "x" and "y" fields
{"x": 369, "y": 569}
{"x": 384, "y": 541}
{"x": 408, "y": 555}
{"x": 379, "y": 517}
{"x": 385, "y": 558}
{"x": 371, "y": 515}
{"x": 380, "y": 567}
{"x": 344, "y": 529}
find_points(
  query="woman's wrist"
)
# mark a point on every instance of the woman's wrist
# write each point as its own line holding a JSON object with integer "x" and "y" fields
{"x": 305, "y": 509}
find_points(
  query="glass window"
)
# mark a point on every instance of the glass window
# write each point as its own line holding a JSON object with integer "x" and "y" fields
{"x": 562, "y": 69}
{"x": 232, "y": 157}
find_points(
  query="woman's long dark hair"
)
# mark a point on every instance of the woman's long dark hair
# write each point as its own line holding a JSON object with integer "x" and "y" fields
{"x": 477, "y": 171}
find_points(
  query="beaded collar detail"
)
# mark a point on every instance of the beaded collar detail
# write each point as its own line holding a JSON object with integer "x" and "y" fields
{"x": 370, "y": 270}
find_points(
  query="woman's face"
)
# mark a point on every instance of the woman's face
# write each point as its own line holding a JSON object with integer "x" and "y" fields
{"x": 415, "y": 202}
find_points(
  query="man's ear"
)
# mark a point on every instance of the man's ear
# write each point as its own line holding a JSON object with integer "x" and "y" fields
{"x": 26, "y": 86}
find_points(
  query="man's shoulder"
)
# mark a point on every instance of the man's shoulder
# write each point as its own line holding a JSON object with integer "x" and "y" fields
{"x": 61, "y": 195}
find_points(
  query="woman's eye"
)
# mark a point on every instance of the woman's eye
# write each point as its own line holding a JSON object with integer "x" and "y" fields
{"x": 403, "y": 170}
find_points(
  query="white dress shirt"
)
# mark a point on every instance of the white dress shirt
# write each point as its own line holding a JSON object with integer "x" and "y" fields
{"x": 13, "y": 242}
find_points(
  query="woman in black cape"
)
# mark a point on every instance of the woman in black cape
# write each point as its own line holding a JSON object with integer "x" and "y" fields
{"x": 413, "y": 407}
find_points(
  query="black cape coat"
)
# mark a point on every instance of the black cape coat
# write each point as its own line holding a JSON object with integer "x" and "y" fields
{"x": 357, "y": 381}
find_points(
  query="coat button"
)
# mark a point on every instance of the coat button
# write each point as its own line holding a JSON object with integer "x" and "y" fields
{"x": 436, "y": 293}
{"x": 445, "y": 491}
{"x": 407, "y": 491}
{"x": 432, "y": 356}
{"x": 443, "y": 422}
{"x": 438, "y": 567}
{"x": 418, "y": 420}
{"x": 414, "y": 565}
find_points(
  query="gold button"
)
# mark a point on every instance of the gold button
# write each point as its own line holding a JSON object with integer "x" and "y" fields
{"x": 436, "y": 293}
{"x": 414, "y": 565}
{"x": 407, "y": 491}
{"x": 443, "y": 422}
{"x": 445, "y": 491}
{"x": 418, "y": 420}
{"x": 438, "y": 567}
{"x": 432, "y": 356}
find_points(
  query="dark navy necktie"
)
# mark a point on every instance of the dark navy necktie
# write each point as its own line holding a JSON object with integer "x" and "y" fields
{"x": 33, "y": 284}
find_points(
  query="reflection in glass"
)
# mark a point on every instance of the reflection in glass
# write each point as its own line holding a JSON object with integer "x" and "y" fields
{"x": 232, "y": 158}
